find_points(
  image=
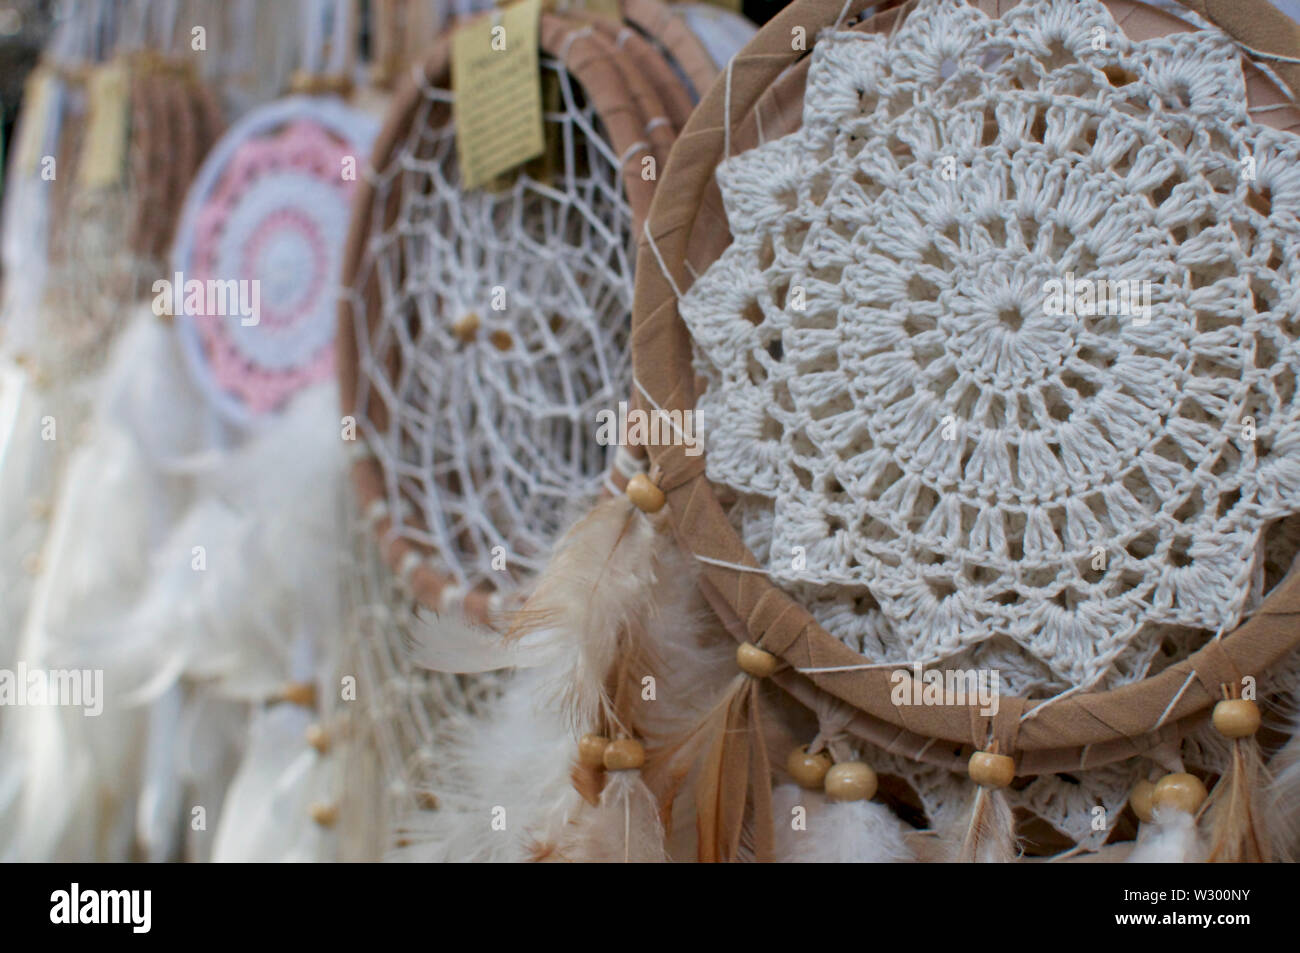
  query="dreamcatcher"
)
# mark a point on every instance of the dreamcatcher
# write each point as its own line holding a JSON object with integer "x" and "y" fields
{"x": 96, "y": 99}
{"x": 482, "y": 332}
{"x": 980, "y": 553}
{"x": 913, "y": 457}
{"x": 193, "y": 555}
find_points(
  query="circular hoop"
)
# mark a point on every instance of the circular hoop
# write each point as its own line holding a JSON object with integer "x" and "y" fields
{"x": 763, "y": 82}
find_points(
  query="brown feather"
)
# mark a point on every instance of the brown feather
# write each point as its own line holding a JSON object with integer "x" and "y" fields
{"x": 990, "y": 836}
{"x": 588, "y": 781}
{"x": 1236, "y": 820}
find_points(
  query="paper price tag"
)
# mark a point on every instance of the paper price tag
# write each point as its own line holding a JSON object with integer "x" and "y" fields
{"x": 498, "y": 102}
{"x": 103, "y": 154}
{"x": 38, "y": 100}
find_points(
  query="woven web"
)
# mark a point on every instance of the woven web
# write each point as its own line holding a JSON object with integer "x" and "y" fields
{"x": 487, "y": 442}
{"x": 391, "y": 735}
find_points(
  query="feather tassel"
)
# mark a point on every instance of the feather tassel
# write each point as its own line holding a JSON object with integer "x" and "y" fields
{"x": 733, "y": 794}
{"x": 599, "y": 582}
{"x": 990, "y": 836}
{"x": 1238, "y": 830}
{"x": 624, "y": 827}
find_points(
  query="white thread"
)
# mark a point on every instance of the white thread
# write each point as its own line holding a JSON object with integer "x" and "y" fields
{"x": 867, "y": 667}
{"x": 628, "y": 465}
{"x": 1174, "y": 701}
{"x": 739, "y": 567}
{"x": 650, "y": 240}
{"x": 667, "y": 418}
{"x": 1033, "y": 712}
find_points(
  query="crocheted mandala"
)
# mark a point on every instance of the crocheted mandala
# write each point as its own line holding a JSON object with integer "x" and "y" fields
{"x": 931, "y": 363}
{"x": 273, "y": 208}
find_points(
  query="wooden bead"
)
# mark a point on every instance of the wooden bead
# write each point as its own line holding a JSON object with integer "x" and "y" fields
{"x": 324, "y": 814}
{"x": 850, "y": 781}
{"x": 591, "y": 750}
{"x": 301, "y": 81}
{"x": 302, "y": 694}
{"x": 1236, "y": 718}
{"x": 1140, "y": 800}
{"x": 645, "y": 496}
{"x": 755, "y": 661}
{"x": 318, "y": 738}
{"x": 466, "y": 326}
{"x": 991, "y": 770}
{"x": 624, "y": 754}
{"x": 808, "y": 770}
{"x": 1179, "y": 792}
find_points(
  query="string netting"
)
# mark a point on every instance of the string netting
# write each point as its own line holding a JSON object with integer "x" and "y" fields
{"x": 391, "y": 739}
{"x": 499, "y": 333}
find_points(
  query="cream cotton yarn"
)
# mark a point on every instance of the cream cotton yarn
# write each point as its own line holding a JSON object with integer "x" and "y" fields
{"x": 968, "y": 475}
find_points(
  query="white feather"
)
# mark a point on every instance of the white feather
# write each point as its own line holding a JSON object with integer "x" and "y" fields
{"x": 1282, "y": 796}
{"x": 447, "y": 643}
{"x": 158, "y": 808}
{"x": 511, "y": 764}
{"x": 1170, "y": 838}
{"x": 267, "y": 814}
{"x": 835, "y": 832}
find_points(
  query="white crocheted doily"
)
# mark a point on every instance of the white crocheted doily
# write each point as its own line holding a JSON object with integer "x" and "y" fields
{"x": 932, "y": 459}
{"x": 967, "y": 472}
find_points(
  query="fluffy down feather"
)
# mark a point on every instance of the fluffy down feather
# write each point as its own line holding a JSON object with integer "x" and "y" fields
{"x": 1170, "y": 838}
{"x": 836, "y": 832}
